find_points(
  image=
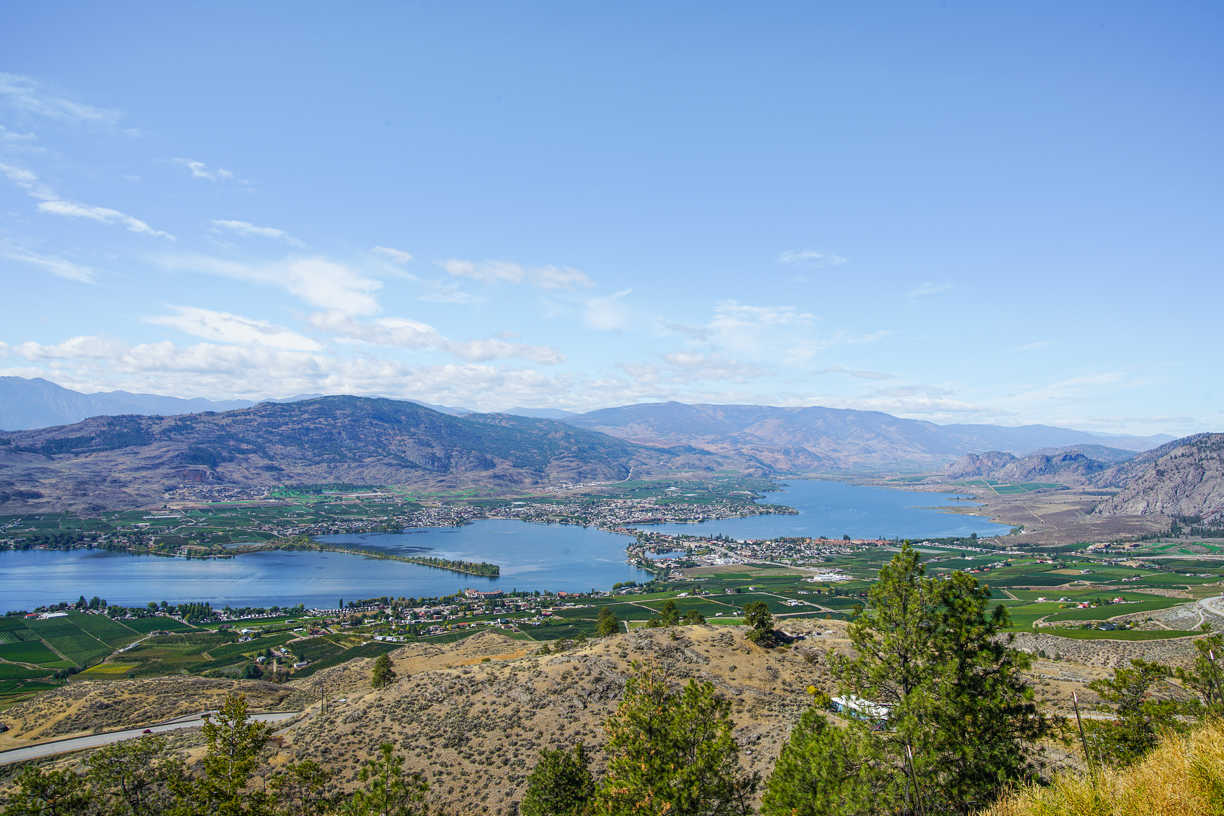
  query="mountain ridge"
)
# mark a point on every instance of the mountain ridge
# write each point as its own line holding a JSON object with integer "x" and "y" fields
{"x": 130, "y": 461}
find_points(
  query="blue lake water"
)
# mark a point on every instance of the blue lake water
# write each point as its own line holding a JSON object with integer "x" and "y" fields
{"x": 834, "y": 509}
{"x": 560, "y": 558}
{"x": 531, "y": 556}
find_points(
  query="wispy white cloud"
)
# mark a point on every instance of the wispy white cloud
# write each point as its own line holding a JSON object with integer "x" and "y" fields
{"x": 74, "y": 348}
{"x": 316, "y": 280}
{"x": 1077, "y": 389}
{"x": 56, "y": 266}
{"x": 224, "y": 327}
{"x": 742, "y": 329}
{"x": 401, "y": 332}
{"x": 927, "y": 289}
{"x": 10, "y": 136}
{"x": 544, "y": 277}
{"x": 484, "y": 271}
{"x": 607, "y": 313}
{"x": 245, "y": 228}
{"x": 553, "y": 277}
{"x": 26, "y": 180}
{"x": 1040, "y": 344}
{"x": 49, "y": 202}
{"x": 19, "y": 143}
{"x": 104, "y": 215}
{"x": 856, "y": 374}
{"x": 692, "y": 365}
{"x": 394, "y": 255}
{"x": 810, "y": 258}
{"x": 201, "y": 171}
{"x": 30, "y": 96}
{"x": 447, "y": 292}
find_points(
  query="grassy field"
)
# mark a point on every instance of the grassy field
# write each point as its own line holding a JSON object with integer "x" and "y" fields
{"x": 28, "y": 653}
{"x": 67, "y": 637}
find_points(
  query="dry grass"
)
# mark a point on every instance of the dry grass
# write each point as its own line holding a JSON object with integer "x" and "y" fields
{"x": 1183, "y": 777}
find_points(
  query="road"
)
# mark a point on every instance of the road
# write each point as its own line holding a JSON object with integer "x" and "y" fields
{"x": 47, "y": 749}
{"x": 1214, "y": 605}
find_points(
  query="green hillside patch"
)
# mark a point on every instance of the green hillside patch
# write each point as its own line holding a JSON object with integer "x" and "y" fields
{"x": 146, "y": 625}
{"x": 10, "y": 688}
{"x": 113, "y": 634}
{"x": 10, "y": 672}
{"x": 28, "y": 653}
{"x": 1113, "y": 610}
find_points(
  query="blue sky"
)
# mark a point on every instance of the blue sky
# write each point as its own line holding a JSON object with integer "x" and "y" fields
{"x": 961, "y": 212}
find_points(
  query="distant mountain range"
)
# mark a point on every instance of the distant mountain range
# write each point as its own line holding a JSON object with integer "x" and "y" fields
{"x": 26, "y": 404}
{"x": 138, "y": 446}
{"x": 815, "y": 440}
{"x": 132, "y": 461}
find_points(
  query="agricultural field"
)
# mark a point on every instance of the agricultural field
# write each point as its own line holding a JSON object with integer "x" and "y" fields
{"x": 1005, "y": 488}
{"x": 173, "y": 653}
{"x": 112, "y": 633}
{"x": 66, "y": 637}
{"x": 146, "y": 625}
{"x": 35, "y": 652}
{"x": 365, "y": 650}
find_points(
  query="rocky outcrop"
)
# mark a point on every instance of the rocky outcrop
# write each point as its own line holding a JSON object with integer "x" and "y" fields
{"x": 980, "y": 465}
{"x": 1064, "y": 468}
{"x": 1187, "y": 481}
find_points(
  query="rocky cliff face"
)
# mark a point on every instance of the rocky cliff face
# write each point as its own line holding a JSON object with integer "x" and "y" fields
{"x": 980, "y": 465}
{"x": 1064, "y": 468}
{"x": 1186, "y": 479}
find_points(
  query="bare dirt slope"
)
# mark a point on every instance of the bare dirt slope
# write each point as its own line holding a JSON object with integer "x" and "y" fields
{"x": 82, "y": 708}
{"x": 473, "y": 716}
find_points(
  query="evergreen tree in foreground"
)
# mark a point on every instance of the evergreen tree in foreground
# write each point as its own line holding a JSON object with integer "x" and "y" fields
{"x": 387, "y": 790}
{"x": 560, "y": 785}
{"x": 671, "y": 752}
{"x": 1143, "y": 715}
{"x": 961, "y": 723}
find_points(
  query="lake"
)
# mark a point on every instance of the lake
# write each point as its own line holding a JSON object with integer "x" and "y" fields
{"x": 531, "y": 556}
{"x": 835, "y": 509}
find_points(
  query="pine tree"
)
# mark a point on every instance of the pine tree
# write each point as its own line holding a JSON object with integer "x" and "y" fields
{"x": 134, "y": 776}
{"x": 1142, "y": 716}
{"x": 386, "y": 789}
{"x": 608, "y": 624}
{"x": 671, "y": 751}
{"x": 560, "y": 785}
{"x": 1206, "y": 676}
{"x": 234, "y": 744}
{"x": 48, "y": 793}
{"x": 670, "y": 616}
{"x": 383, "y": 675}
{"x": 760, "y": 622}
{"x": 961, "y": 721}
{"x": 694, "y": 617}
{"x": 815, "y": 773}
